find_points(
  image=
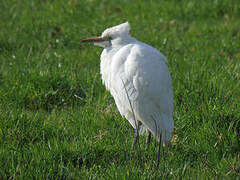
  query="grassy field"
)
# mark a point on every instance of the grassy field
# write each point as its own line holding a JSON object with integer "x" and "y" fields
{"x": 56, "y": 119}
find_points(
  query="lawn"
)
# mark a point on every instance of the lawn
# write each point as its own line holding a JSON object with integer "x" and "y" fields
{"x": 57, "y": 121}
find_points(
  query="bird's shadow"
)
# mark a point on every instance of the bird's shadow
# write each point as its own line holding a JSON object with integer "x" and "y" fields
{"x": 95, "y": 157}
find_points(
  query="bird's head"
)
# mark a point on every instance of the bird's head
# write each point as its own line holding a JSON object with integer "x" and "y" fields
{"x": 116, "y": 35}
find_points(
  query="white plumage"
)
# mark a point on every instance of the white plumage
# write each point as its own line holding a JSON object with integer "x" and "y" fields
{"x": 137, "y": 77}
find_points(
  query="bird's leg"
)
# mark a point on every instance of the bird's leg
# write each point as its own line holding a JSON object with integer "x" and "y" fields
{"x": 148, "y": 137}
{"x": 136, "y": 133}
{"x": 167, "y": 143}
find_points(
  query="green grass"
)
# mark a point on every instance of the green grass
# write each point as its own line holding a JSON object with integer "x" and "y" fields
{"x": 57, "y": 120}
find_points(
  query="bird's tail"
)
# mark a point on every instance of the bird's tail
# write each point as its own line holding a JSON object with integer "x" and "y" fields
{"x": 161, "y": 128}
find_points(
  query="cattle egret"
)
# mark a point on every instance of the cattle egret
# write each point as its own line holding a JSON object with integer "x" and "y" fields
{"x": 137, "y": 77}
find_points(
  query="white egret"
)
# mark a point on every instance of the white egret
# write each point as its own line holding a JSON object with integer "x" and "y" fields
{"x": 137, "y": 77}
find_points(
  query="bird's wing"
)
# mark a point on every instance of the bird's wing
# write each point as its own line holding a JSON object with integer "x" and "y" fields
{"x": 143, "y": 82}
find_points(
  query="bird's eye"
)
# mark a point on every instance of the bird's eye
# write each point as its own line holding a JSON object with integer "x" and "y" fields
{"x": 108, "y": 38}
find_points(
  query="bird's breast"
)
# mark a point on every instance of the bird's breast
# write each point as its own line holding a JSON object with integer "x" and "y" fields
{"x": 112, "y": 64}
